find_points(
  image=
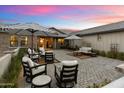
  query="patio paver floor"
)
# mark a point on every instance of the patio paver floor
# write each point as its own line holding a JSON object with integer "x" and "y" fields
{"x": 91, "y": 70}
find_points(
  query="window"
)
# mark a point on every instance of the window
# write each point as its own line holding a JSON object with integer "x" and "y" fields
{"x": 98, "y": 37}
{"x": 61, "y": 41}
{"x": 114, "y": 47}
{"x": 24, "y": 40}
{"x": 13, "y": 41}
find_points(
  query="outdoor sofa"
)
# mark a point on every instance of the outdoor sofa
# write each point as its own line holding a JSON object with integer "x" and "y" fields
{"x": 85, "y": 50}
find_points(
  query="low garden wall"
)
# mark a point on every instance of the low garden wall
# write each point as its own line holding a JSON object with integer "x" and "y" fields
{"x": 6, "y": 59}
{"x": 4, "y": 63}
{"x": 119, "y": 83}
{"x": 10, "y": 66}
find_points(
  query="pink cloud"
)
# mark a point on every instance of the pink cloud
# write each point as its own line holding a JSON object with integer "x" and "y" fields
{"x": 108, "y": 19}
{"x": 113, "y": 14}
{"x": 34, "y": 10}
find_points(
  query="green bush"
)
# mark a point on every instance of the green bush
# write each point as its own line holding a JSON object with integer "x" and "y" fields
{"x": 11, "y": 75}
{"x": 96, "y": 51}
{"x": 120, "y": 56}
{"x": 99, "y": 85}
{"x": 111, "y": 54}
{"x": 102, "y": 53}
{"x": 7, "y": 85}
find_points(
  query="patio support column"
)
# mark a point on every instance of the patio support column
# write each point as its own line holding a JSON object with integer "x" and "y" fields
{"x": 19, "y": 41}
{"x": 54, "y": 43}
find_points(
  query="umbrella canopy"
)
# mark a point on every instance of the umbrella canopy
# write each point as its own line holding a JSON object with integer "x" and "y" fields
{"x": 31, "y": 32}
{"x": 73, "y": 37}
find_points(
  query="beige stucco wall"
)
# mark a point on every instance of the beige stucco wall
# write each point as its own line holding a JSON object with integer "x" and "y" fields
{"x": 4, "y": 41}
{"x": 74, "y": 43}
{"x": 4, "y": 63}
{"x": 106, "y": 40}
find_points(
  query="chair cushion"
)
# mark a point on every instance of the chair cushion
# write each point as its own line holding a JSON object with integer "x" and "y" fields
{"x": 38, "y": 70}
{"x": 27, "y": 59}
{"x": 69, "y": 62}
{"x": 35, "y": 56}
{"x": 42, "y": 50}
{"x": 29, "y": 51}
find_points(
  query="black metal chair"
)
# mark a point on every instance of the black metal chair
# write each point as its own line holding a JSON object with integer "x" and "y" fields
{"x": 49, "y": 57}
{"x": 66, "y": 75}
{"x": 32, "y": 71}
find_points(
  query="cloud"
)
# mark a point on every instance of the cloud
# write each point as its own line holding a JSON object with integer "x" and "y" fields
{"x": 65, "y": 14}
{"x": 96, "y": 14}
{"x": 31, "y": 9}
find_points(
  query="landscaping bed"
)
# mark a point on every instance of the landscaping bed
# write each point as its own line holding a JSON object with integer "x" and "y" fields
{"x": 10, "y": 77}
{"x": 111, "y": 54}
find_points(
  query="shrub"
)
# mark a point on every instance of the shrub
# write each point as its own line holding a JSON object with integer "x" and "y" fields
{"x": 96, "y": 51}
{"x": 120, "y": 56}
{"x": 111, "y": 54}
{"x": 102, "y": 53}
{"x": 99, "y": 85}
{"x": 10, "y": 77}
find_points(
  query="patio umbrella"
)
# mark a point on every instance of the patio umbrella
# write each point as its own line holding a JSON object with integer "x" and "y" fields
{"x": 73, "y": 37}
{"x": 30, "y": 32}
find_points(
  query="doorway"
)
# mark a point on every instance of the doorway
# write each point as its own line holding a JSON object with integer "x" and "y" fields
{"x": 45, "y": 42}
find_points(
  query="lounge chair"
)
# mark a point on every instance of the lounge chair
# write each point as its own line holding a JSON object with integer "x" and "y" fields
{"x": 41, "y": 51}
{"x": 32, "y": 69}
{"x": 66, "y": 73}
{"x": 33, "y": 55}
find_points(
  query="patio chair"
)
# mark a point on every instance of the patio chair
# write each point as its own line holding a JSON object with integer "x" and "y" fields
{"x": 32, "y": 69}
{"x": 66, "y": 73}
{"x": 49, "y": 57}
{"x": 41, "y": 51}
{"x": 33, "y": 55}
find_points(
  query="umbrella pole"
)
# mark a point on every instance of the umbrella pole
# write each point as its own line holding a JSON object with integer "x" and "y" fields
{"x": 32, "y": 41}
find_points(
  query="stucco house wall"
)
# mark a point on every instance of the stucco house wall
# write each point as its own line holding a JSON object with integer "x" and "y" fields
{"x": 4, "y": 41}
{"x": 104, "y": 44}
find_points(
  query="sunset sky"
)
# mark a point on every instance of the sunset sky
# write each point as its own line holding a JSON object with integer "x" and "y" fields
{"x": 62, "y": 16}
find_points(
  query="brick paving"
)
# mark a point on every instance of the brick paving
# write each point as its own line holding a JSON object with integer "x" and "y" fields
{"x": 91, "y": 70}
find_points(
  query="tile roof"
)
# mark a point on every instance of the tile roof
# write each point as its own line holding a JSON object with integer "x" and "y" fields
{"x": 114, "y": 27}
